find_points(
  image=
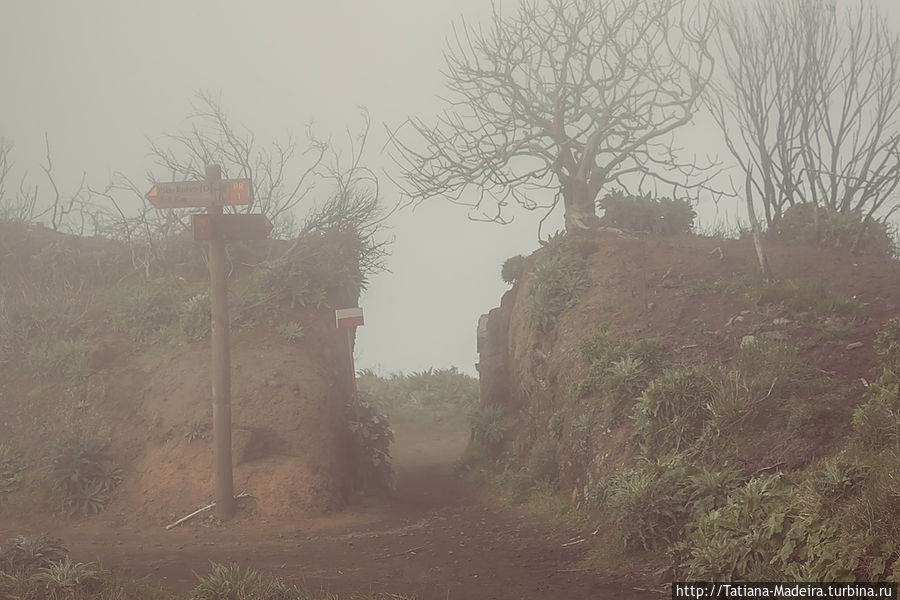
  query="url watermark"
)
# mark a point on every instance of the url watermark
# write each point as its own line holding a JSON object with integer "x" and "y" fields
{"x": 714, "y": 590}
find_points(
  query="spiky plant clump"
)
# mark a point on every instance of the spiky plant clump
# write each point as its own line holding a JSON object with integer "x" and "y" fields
{"x": 26, "y": 554}
{"x": 84, "y": 474}
{"x": 292, "y": 332}
{"x": 65, "y": 580}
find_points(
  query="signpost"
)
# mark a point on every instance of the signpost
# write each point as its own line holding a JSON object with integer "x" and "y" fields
{"x": 198, "y": 194}
{"x": 230, "y": 227}
{"x": 348, "y": 318}
{"x": 217, "y": 228}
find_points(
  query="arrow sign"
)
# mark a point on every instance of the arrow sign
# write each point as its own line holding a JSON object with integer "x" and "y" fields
{"x": 230, "y": 227}
{"x": 194, "y": 194}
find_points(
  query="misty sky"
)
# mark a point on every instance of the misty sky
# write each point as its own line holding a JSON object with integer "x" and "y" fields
{"x": 100, "y": 77}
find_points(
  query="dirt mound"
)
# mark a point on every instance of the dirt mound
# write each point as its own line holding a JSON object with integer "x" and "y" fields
{"x": 289, "y": 434}
{"x": 151, "y": 401}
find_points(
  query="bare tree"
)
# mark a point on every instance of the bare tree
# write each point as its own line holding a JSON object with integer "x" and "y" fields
{"x": 283, "y": 181}
{"x": 809, "y": 101}
{"x": 567, "y": 95}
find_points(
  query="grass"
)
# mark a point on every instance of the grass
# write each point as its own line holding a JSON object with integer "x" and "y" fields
{"x": 60, "y": 578}
{"x": 811, "y": 297}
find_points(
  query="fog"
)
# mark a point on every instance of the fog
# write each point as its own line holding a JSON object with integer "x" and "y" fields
{"x": 101, "y": 77}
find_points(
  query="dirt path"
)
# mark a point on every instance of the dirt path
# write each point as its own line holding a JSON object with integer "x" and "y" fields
{"x": 437, "y": 539}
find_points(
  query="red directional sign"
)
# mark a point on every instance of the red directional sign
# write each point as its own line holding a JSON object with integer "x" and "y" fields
{"x": 230, "y": 227}
{"x": 191, "y": 194}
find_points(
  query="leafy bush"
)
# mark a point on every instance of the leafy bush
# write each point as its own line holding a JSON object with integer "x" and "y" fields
{"x": 738, "y": 540}
{"x": 876, "y": 423}
{"x": 837, "y": 230}
{"x": 619, "y": 369}
{"x": 513, "y": 269}
{"x": 645, "y": 213}
{"x": 235, "y": 583}
{"x": 59, "y": 358}
{"x": 671, "y": 412}
{"x": 10, "y": 470}
{"x": 887, "y": 345}
{"x": 63, "y": 579}
{"x": 433, "y": 392}
{"x": 194, "y": 316}
{"x": 560, "y": 278}
{"x": 142, "y": 309}
{"x": 84, "y": 474}
{"x": 556, "y": 423}
{"x": 292, "y": 332}
{"x": 648, "y": 505}
{"x": 25, "y": 555}
{"x": 489, "y": 427}
{"x": 772, "y": 367}
{"x": 371, "y": 437}
{"x": 542, "y": 464}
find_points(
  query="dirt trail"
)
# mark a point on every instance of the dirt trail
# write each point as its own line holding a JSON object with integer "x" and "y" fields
{"x": 437, "y": 538}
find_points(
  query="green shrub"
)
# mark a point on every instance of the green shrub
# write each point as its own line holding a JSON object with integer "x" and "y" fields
{"x": 235, "y": 583}
{"x": 489, "y": 427}
{"x": 513, "y": 269}
{"x": 560, "y": 278}
{"x": 835, "y": 479}
{"x": 434, "y": 393}
{"x": 25, "y": 555}
{"x": 142, "y": 309}
{"x": 876, "y": 423}
{"x": 619, "y": 369}
{"x": 770, "y": 367}
{"x": 646, "y": 505}
{"x": 542, "y": 464}
{"x": 837, "y": 230}
{"x": 292, "y": 332}
{"x": 59, "y": 358}
{"x": 887, "y": 345}
{"x": 645, "y": 213}
{"x": 10, "y": 470}
{"x": 738, "y": 540}
{"x": 64, "y": 580}
{"x": 556, "y": 423}
{"x": 194, "y": 317}
{"x": 84, "y": 474}
{"x": 371, "y": 437}
{"x": 671, "y": 412}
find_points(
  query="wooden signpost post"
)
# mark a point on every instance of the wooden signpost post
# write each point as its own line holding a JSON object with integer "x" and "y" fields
{"x": 217, "y": 228}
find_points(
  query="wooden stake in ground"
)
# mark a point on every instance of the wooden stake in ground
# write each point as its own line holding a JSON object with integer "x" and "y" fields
{"x": 221, "y": 364}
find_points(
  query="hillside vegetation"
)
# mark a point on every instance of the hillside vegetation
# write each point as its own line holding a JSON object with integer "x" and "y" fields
{"x": 713, "y": 426}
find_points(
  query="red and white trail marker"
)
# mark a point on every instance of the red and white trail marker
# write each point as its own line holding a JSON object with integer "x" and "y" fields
{"x": 348, "y": 317}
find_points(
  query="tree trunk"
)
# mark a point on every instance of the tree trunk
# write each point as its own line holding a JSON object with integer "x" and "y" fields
{"x": 581, "y": 211}
{"x": 757, "y": 235}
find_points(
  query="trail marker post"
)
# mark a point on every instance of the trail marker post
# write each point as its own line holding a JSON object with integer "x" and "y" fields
{"x": 348, "y": 318}
{"x": 216, "y": 228}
